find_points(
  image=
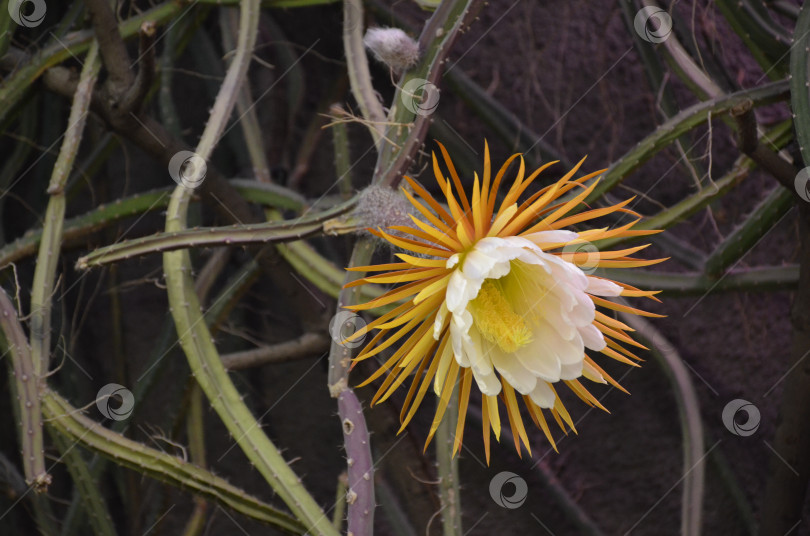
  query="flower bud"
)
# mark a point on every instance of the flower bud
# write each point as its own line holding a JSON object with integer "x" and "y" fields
{"x": 380, "y": 207}
{"x": 392, "y": 47}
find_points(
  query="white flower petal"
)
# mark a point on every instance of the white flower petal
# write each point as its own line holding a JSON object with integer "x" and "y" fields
{"x": 559, "y": 236}
{"x": 487, "y": 384}
{"x": 602, "y": 287}
{"x": 591, "y": 373}
{"x": 456, "y": 295}
{"x": 480, "y": 361}
{"x": 584, "y": 311}
{"x": 459, "y": 326}
{"x": 512, "y": 370}
{"x": 539, "y": 361}
{"x": 592, "y": 337}
{"x": 543, "y": 395}
{"x": 439, "y": 322}
{"x": 571, "y": 372}
{"x": 478, "y": 264}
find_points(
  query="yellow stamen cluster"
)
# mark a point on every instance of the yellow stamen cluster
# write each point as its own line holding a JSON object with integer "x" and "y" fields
{"x": 496, "y": 319}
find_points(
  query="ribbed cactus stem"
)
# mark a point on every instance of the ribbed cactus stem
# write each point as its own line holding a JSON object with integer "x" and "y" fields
{"x": 356, "y": 440}
{"x": 154, "y": 463}
{"x": 232, "y": 235}
{"x": 28, "y": 385}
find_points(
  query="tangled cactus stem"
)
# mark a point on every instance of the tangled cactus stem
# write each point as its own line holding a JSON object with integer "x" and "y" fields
{"x": 360, "y": 466}
{"x": 356, "y": 440}
{"x": 69, "y": 421}
{"x": 28, "y": 386}
{"x": 686, "y": 120}
{"x": 407, "y": 129}
{"x": 86, "y": 485}
{"x": 449, "y": 485}
{"x": 770, "y": 211}
{"x": 233, "y": 235}
{"x": 786, "y": 489}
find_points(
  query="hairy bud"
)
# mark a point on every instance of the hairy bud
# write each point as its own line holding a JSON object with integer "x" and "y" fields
{"x": 382, "y": 207}
{"x": 392, "y": 47}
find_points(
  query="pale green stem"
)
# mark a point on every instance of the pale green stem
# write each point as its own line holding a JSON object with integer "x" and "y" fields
{"x": 356, "y": 438}
{"x": 27, "y": 385}
{"x": 158, "y": 465}
{"x": 86, "y": 486}
{"x": 195, "y": 337}
{"x": 449, "y": 488}
{"x": 207, "y": 368}
{"x": 340, "y": 501}
{"x": 232, "y": 235}
{"x": 50, "y": 246}
{"x": 359, "y": 75}
{"x": 195, "y": 428}
{"x": 47, "y": 261}
{"x": 686, "y": 65}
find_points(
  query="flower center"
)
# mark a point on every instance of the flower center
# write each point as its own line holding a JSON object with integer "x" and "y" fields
{"x": 496, "y": 320}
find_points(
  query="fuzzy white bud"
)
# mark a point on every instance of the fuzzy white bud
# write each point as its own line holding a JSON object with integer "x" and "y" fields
{"x": 392, "y": 47}
{"x": 382, "y": 207}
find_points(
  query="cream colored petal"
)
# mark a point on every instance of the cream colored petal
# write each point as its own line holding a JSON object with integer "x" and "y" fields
{"x": 479, "y": 360}
{"x": 478, "y": 264}
{"x": 591, "y": 373}
{"x": 439, "y": 322}
{"x": 571, "y": 372}
{"x": 584, "y": 311}
{"x": 459, "y": 292}
{"x": 512, "y": 370}
{"x": 543, "y": 395}
{"x": 489, "y": 385}
{"x": 592, "y": 337}
{"x": 540, "y": 362}
{"x": 459, "y": 328}
{"x": 560, "y": 236}
{"x": 603, "y": 287}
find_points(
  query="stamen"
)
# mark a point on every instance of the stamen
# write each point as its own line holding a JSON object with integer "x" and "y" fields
{"x": 496, "y": 320}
